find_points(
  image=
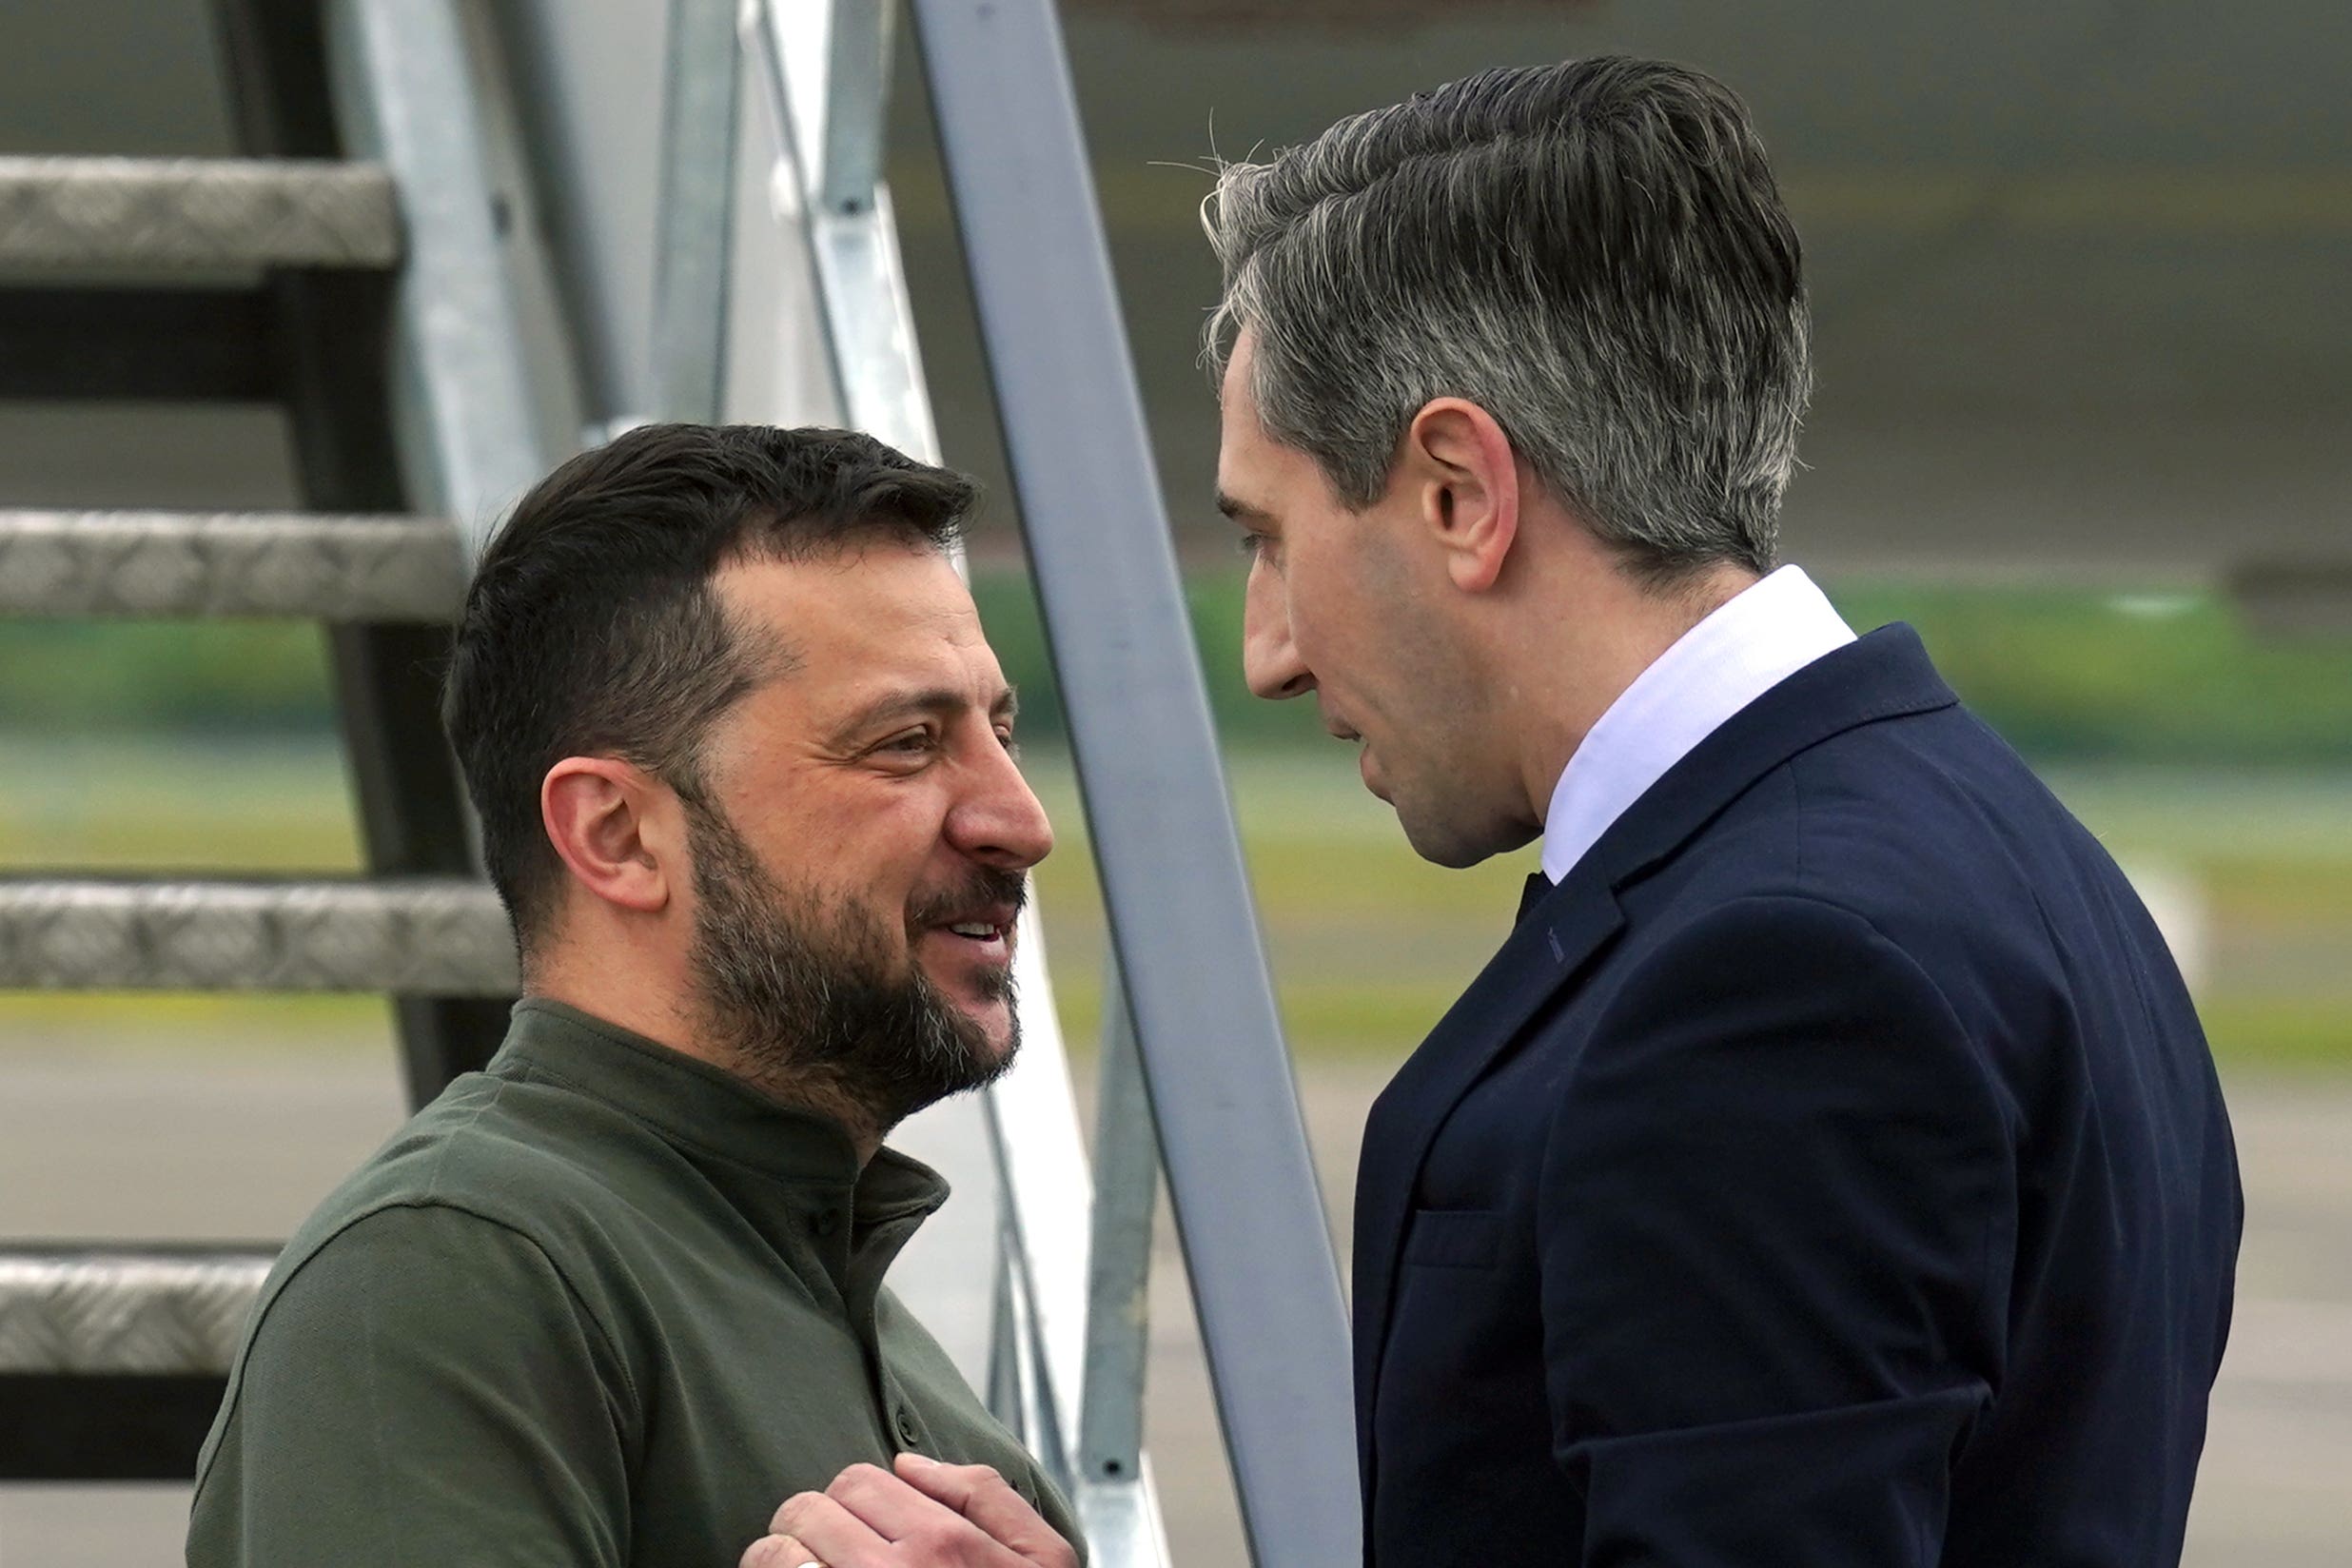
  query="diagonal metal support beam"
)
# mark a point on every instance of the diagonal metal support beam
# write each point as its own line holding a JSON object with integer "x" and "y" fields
{"x": 857, "y": 73}
{"x": 696, "y": 217}
{"x": 404, "y": 95}
{"x": 867, "y": 325}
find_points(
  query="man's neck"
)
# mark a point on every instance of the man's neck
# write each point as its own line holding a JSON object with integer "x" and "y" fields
{"x": 1584, "y": 656}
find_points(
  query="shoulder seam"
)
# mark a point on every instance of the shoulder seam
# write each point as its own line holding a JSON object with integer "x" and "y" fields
{"x": 440, "y": 1156}
{"x": 277, "y": 1289}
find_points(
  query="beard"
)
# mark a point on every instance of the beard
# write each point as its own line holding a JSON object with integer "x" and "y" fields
{"x": 799, "y": 988}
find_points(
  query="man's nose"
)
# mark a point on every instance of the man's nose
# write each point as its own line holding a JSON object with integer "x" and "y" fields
{"x": 1270, "y": 660}
{"x": 1000, "y": 821}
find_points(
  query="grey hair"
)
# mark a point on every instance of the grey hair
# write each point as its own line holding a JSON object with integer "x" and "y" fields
{"x": 1594, "y": 252}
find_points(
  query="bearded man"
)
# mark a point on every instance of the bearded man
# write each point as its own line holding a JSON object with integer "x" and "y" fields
{"x": 743, "y": 762}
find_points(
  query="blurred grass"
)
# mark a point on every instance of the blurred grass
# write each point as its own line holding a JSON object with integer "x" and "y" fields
{"x": 2202, "y": 755}
{"x": 2280, "y": 1032}
{"x": 308, "y": 1023}
{"x": 1369, "y": 944}
{"x": 2069, "y": 674}
{"x": 116, "y": 802}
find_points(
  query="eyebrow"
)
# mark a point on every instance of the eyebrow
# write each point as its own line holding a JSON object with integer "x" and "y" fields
{"x": 937, "y": 702}
{"x": 1239, "y": 510}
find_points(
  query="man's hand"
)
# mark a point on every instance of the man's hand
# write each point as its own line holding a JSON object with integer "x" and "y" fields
{"x": 928, "y": 1515}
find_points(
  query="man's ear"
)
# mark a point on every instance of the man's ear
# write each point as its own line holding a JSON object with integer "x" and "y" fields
{"x": 1469, "y": 486}
{"x": 613, "y": 826}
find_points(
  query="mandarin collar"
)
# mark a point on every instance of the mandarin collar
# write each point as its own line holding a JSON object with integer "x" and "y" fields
{"x": 705, "y": 1109}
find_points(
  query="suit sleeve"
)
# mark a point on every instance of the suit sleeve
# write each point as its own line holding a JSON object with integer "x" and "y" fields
{"x": 1774, "y": 1209}
{"x": 424, "y": 1389}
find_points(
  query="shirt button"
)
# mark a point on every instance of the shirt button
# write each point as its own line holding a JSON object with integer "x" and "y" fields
{"x": 909, "y": 1433}
{"x": 826, "y": 1222}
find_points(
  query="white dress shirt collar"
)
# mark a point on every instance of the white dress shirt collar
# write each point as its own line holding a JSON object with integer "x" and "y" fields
{"x": 1763, "y": 636}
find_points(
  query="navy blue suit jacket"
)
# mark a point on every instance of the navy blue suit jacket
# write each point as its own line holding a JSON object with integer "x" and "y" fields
{"x": 1829, "y": 1173}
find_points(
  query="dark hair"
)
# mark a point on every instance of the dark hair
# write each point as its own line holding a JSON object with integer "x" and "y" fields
{"x": 591, "y": 628}
{"x": 1595, "y": 252}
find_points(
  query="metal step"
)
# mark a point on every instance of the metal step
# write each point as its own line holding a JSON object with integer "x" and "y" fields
{"x": 350, "y": 568}
{"x": 196, "y": 212}
{"x": 413, "y": 936}
{"x": 122, "y": 1311}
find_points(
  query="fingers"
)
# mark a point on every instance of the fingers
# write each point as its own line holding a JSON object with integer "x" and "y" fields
{"x": 990, "y": 1502}
{"x": 923, "y": 1531}
{"x": 927, "y": 1514}
{"x": 827, "y": 1532}
{"x": 778, "y": 1552}
{"x": 888, "y": 1505}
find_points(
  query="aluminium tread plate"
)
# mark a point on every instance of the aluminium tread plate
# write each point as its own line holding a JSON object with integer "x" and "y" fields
{"x": 344, "y": 568}
{"x": 196, "y": 212}
{"x": 124, "y": 1311}
{"x": 416, "y": 937}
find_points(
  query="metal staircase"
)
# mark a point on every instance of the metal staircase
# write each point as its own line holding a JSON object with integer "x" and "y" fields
{"x": 381, "y": 322}
{"x": 358, "y": 267}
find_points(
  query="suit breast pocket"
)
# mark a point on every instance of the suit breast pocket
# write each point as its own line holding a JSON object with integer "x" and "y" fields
{"x": 1454, "y": 1238}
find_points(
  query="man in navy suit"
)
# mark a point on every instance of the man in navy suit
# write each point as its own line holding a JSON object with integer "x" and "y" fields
{"x": 1830, "y": 1168}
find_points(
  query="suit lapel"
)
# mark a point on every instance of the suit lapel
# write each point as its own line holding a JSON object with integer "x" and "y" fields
{"x": 1885, "y": 675}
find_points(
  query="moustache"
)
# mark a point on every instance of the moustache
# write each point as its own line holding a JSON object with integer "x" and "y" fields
{"x": 988, "y": 893}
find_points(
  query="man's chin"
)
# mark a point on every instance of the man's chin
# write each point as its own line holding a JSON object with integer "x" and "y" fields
{"x": 982, "y": 998}
{"x": 996, "y": 1031}
{"x": 984, "y": 1018}
{"x": 1452, "y": 841}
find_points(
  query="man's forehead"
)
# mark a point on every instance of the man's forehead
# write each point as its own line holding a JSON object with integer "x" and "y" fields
{"x": 1250, "y": 473}
{"x": 1238, "y": 360}
{"x": 847, "y": 625}
{"x": 873, "y": 589}
{"x": 1242, "y": 449}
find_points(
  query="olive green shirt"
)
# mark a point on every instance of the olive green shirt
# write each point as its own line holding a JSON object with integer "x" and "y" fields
{"x": 598, "y": 1305}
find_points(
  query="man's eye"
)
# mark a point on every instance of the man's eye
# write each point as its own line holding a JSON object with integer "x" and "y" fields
{"x": 1004, "y": 739}
{"x": 1251, "y": 546}
{"x": 912, "y": 742}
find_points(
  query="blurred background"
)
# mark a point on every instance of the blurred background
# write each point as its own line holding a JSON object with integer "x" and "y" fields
{"x": 2081, "y": 328}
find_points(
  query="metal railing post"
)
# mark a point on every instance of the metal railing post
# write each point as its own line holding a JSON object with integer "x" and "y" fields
{"x": 405, "y": 95}
{"x": 1116, "y": 1498}
{"x": 697, "y": 200}
{"x": 857, "y": 55}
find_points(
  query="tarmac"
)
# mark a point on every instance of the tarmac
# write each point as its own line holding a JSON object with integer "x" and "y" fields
{"x": 103, "y": 1137}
